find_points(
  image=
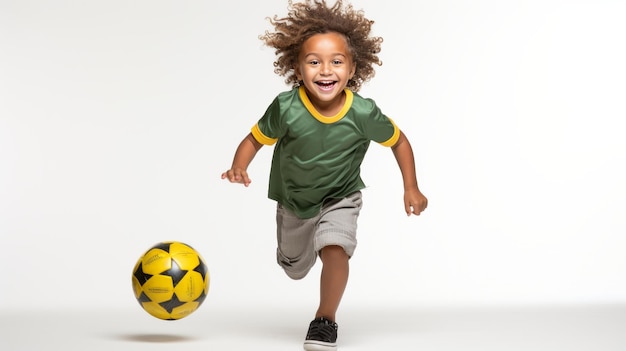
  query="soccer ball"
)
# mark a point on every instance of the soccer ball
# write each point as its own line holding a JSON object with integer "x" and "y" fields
{"x": 170, "y": 280}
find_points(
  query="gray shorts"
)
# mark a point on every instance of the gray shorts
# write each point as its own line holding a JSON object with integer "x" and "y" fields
{"x": 300, "y": 240}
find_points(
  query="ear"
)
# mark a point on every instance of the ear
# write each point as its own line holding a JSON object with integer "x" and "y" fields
{"x": 296, "y": 70}
{"x": 353, "y": 70}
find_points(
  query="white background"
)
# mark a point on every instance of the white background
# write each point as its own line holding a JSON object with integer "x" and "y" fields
{"x": 118, "y": 117}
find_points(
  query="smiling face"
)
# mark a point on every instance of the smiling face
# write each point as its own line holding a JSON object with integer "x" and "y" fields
{"x": 325, "y": 66}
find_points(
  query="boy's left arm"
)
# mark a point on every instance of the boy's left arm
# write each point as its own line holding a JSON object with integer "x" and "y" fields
{"x": 414, "y": 201}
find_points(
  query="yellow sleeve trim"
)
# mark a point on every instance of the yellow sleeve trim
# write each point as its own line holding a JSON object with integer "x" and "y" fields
{"x": 394, "y": 138}
{"x": 260, "y": 137}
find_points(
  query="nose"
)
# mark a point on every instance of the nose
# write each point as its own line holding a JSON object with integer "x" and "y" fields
{"x": 325, "y": 69}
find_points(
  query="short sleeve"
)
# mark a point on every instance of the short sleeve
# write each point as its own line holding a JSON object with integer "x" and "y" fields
{"x": 376, "y": 125}
{"x": 394, "y": 137}
{"x": 261, "y": 137}
{"x": 268, "y": 128}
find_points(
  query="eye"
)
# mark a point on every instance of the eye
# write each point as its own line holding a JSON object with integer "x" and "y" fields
{"x": 337, "y": 62}
{"x": 314, "y": 62}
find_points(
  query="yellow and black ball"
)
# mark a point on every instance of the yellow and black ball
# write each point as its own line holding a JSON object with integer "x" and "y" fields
{"x": 170, "y": 280}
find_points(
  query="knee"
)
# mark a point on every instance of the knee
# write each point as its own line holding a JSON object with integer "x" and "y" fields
{"x": 333, "y": 252}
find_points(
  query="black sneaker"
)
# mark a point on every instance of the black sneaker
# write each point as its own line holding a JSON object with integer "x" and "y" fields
{"x": 322, "y": 335}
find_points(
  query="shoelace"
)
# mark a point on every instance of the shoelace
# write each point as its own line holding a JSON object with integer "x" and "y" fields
{"x": 322, "y": 330}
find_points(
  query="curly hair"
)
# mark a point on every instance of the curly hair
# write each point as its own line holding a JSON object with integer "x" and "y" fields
{"x": 311, "y": 17}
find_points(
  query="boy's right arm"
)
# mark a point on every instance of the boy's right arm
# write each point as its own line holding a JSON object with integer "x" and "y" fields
{"x": 245, "y": 153}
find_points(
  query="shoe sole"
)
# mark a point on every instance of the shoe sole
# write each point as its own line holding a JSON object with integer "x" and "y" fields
{"x": 319, "y": 346}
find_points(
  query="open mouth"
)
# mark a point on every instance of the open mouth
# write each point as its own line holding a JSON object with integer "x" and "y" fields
{"x": 326, "y": 85}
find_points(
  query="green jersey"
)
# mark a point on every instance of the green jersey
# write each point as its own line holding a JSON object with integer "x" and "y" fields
{"x": 318, "y": 157}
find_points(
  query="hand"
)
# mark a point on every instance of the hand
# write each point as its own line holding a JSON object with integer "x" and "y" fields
{"x": 237, "y": 175}
{"x": 414, "y": 202}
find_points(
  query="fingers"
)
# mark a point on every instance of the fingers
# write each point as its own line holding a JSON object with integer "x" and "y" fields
{"x": 235, "y": 176}
{"x": 413, "y": 210}
{"x": 417, "y": 210}
{"x": 416, "y": 207}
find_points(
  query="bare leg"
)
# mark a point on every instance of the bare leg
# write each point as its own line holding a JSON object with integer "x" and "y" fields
{"x": 333, "y": 281}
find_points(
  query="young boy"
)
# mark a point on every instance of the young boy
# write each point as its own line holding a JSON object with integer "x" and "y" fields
{"x": 322, "y": 129}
